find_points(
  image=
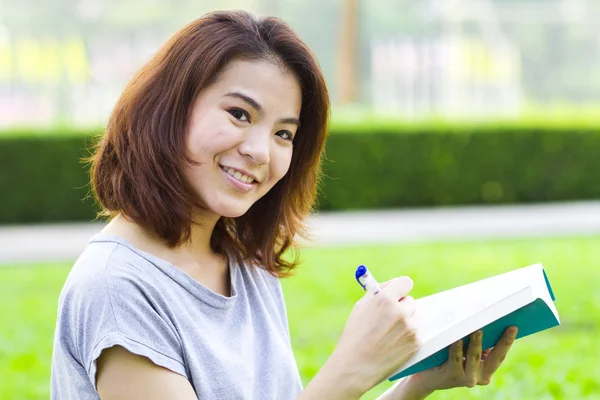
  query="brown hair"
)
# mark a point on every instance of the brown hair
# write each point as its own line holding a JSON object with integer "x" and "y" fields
{"x": 136, "y": 168}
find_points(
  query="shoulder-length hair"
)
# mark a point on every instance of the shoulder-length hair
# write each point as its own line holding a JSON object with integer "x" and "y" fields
{"x": 137, "y": 163}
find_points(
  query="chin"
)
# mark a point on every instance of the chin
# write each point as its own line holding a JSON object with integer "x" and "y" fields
{"x": 231, "y": 211}
{"x": 233, "y": 214}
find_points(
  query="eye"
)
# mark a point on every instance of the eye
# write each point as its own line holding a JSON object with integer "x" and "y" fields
{"x": 287, "y": 135}
{"x": 239, "y": 114}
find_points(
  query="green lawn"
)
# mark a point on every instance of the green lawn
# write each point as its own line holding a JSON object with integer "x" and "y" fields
{"x": 561, "y": 363}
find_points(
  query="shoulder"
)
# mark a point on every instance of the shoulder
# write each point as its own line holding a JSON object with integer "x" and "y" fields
{"x": 265, "y": 290}
{"x": 102, "y": 269}
{"x": 103, "y": 288}
{"x": 109, "y": 300}
{"x": 113, "y": 282}
{"x": 266, "y": 283}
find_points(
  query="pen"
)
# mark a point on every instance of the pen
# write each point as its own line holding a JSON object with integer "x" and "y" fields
{"x": 366, "y": 280}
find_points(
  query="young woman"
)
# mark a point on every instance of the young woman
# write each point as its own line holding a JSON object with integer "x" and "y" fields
{"x": 207, "y": 169}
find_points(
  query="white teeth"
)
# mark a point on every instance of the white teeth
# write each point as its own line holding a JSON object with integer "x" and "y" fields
{"x": 239, "y": 176}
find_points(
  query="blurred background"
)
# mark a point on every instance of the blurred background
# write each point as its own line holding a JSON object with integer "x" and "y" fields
{"x": 464, "y": 143}
{"x": 65, "y": 61}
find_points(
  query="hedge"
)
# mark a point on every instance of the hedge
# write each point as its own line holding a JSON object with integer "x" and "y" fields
{"x": 458, "y": 167}
{"x": 43, "y": 179}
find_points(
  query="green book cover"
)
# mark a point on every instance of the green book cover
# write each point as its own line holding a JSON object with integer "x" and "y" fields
{"x": 522, "y": 298}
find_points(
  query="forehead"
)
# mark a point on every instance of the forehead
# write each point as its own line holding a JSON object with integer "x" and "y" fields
{"x": 269, "y": 83}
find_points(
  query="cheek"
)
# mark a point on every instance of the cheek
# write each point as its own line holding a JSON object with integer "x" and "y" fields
{"x": 204, "y": 146}
{"x": 210, "y": 134}
{"x": 194, "y": 144}
{"x": 280, "y": 165}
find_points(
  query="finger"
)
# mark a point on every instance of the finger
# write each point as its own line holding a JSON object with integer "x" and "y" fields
{"x": 455, "y": 355}
{"x": 498, "y": 353}
{"x": 385, "y": 284}
{"x": 397, "y": 288}
{"x": 473, "y": 358}
{"x": 408, "y": 306}
{"x": 485, "y": 353}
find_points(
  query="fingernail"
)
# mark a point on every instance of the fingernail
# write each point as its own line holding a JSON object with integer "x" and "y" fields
{"x": 513, "y": 331}
{"x": 479, "y": 334}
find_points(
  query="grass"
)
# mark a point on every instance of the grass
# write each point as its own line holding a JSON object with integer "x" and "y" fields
{"x": 557, "y": 364}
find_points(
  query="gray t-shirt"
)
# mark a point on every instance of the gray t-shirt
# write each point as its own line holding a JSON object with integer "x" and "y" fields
{"x": 234, "y": 347}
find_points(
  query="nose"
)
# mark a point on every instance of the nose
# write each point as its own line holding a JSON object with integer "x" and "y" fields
{"x": 256, "y": 145}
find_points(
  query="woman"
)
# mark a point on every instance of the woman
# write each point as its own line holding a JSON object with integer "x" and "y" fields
{"x": 207, "y": 169}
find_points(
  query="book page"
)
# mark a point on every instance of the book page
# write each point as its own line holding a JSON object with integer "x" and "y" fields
{"x": 436, "y": 313}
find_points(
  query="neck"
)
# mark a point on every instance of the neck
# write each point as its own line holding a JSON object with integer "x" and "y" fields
{"x": 195, "y": 257}
{"x": 198, "y": 245}
{"x": 196, "y": 250}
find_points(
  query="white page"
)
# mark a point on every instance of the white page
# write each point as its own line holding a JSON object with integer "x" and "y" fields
{"x": 463, "y": 328}
{"x": 436, "y": 313}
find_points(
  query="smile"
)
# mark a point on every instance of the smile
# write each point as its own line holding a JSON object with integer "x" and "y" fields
{"x": 238, "y": 175}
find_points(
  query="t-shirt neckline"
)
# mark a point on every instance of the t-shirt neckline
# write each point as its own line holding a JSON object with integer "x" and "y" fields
{"x": 182, "y": 278}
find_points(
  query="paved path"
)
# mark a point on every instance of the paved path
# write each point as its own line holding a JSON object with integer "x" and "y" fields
{"x": 63, "y": 242}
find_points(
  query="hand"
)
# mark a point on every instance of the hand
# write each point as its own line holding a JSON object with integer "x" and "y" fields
{"x": 379, "y": 335}
{"x": 475, "y": 368}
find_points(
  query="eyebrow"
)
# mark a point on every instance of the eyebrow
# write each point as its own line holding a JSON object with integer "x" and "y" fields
{"x": 254, "y": 104}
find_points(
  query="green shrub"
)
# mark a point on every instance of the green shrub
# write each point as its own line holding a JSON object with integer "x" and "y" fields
{"x": 471, "y": 165}
{"x": 42, "y": 177}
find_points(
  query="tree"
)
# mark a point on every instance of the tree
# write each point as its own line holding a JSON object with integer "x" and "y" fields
{"x": 348, "y": 43}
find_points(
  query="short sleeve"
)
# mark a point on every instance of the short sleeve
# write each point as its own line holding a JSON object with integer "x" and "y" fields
{"x": 115, "y": 307}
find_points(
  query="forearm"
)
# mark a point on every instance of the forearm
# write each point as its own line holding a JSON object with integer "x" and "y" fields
{"x": 334, "y": 381}
{"x": 404, "y": 389}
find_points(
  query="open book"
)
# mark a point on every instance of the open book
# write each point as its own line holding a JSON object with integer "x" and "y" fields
{"x": 521, "y": 298}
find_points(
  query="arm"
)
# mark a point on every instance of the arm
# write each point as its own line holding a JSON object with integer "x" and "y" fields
{"x": 330, "y": 384}
{"x": 334, "y": 381}
{"x": 378, "y": 337}
{"x": 403, "y": 390}
{"x": 123, "y": 375}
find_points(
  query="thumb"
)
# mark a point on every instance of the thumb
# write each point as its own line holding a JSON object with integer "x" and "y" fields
{"x": 397, "y": 288}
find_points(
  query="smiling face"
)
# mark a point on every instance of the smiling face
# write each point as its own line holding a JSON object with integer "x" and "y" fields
{"x": 241, "y": 134}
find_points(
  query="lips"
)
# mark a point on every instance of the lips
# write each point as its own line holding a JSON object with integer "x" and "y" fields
{"x": 239, "y": 175}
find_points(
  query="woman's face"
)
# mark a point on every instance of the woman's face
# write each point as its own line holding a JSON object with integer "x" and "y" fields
{"x": 240, "y": 134}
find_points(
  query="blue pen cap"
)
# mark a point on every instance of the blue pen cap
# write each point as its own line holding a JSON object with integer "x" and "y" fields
{"x": 360, "y": 272}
